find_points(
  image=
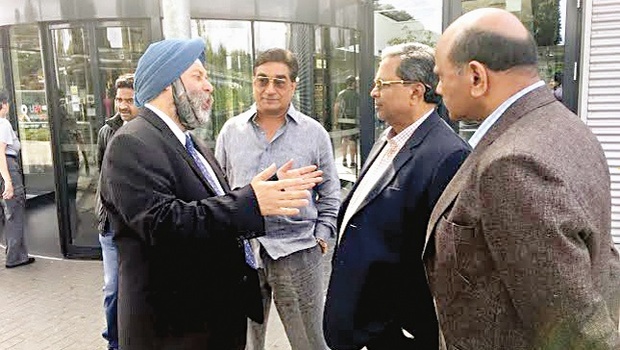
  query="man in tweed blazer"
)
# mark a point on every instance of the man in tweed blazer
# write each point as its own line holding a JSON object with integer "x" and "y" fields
{"x": 518, "y": 250}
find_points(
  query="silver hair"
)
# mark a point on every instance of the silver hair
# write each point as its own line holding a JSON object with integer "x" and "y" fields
{"x": 417, "y": 64}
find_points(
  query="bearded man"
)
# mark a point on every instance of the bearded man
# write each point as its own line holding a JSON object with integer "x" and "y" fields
{"x": 187, "y": 277}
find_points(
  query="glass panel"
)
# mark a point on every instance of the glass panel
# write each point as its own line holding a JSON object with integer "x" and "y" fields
{"x": 33, "y": 127}
{"x": 229, "y": 65}
{"x": 78, "y": 138}
{"x": 118, "y": 49}
{"x": 344, "y": 100}
{"x": 32, "y": 111}
{"x": 546, "y": 20}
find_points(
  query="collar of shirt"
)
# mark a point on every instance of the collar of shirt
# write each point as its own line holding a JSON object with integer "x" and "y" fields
{"x": 175, "y": 128}
{"x": 401, "y": 138}
{"x": 497, "y": 113}
{"x": 251, "y": 113}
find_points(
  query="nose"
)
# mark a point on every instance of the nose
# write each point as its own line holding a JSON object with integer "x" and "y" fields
{"x": 271, "y": 87}
{"x": 439, "y": 88}
{"x": 208, "y": 86}
{"x": 374, "y": 93}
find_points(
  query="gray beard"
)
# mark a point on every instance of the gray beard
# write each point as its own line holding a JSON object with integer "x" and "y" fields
{"x": 190, "y": 111}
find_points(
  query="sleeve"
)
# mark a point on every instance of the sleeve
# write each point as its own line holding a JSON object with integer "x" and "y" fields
{"x": 141, "y": 194}
{"x": 328, "y": 191}
{"x": 103, "y": 136}
{"x": 220, "y": 149}
{"x": 538, "y": 236}
{"x": 6, "y": 132}
{"x": 444, "y": 173}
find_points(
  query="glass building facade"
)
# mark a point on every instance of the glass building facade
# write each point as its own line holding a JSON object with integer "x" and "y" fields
{"x": 59, "y": 60}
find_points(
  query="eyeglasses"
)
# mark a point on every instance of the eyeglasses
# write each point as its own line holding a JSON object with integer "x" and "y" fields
{"x": 379, "y": 83}
{"x": 262, "y": 82}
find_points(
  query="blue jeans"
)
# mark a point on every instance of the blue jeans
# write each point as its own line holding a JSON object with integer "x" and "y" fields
{"x": 110, "y": 289}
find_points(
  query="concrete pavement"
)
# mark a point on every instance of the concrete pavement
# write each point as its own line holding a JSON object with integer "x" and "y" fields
{"x": 57, "y": 304}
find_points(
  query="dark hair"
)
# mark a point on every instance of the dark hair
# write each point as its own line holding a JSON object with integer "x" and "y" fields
{"x": 124, "y": 81}
{"x": 558, "y": 77}
{"x": 279, "y": 55}
{"x": 4, "y": 98}
{"x": 417, "y": 63}
{"x": 498, "y": 52}
{"x": 350, "y": 80}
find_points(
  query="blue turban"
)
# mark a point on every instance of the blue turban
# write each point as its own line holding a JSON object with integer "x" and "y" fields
{"x": 162, "y": 63}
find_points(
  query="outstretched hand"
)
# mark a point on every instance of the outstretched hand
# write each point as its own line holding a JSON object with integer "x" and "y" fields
{"x": 308, "y": 173}
{"x": 282, "y": 197}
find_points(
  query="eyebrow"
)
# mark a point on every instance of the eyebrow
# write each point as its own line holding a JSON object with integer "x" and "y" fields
{"x": 281, "y": 76}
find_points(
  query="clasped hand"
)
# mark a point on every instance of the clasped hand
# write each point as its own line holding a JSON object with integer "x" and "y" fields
{"x": 289, "y": 192}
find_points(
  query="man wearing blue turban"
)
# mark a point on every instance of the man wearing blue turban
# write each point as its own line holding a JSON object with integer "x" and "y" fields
{"x": 187, "y": 277}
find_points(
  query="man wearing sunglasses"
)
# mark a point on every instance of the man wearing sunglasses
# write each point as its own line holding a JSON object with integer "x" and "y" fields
{"x": 290, "y": 253}
{"x": 378, "y": 296}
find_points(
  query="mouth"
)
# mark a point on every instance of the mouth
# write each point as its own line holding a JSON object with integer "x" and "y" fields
{"x": 206, "y": 105}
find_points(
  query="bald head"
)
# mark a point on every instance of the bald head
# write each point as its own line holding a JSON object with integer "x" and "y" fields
{"x": 493, "y": 37}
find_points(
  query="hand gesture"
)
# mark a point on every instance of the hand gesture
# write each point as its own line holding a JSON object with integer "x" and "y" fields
{"x": 308, "y": 173}
{"x": 281, "y": 197}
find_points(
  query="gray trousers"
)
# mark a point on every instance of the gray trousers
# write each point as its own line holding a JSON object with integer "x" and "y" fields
{"x": 14, "y": 210}
{"x": 296, "y": 284}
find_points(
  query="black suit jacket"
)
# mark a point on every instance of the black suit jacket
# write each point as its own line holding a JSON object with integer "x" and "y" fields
{"x": 183, "y": 282}
{"x": 378, "y": 280}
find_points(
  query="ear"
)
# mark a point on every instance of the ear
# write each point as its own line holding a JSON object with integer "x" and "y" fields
{"x": 417, "y": 92}
{"x": 479, "y": 79}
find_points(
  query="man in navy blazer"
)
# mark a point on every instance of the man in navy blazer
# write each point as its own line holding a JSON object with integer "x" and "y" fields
{"x": 378, "y": 296}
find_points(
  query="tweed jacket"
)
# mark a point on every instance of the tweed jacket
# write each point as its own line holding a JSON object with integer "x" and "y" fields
{"x": 518, "y": 250}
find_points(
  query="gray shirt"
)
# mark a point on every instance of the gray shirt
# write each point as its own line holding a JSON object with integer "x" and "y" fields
{"x": 243, "y": 151}
{"x": 8, "y": 136}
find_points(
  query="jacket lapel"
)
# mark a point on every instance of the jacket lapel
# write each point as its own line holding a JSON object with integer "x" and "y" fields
{"x": 215, "y": 165}
{"x": 538, "y": 97}
{"x": 171, "y": 139}
{"x": 404, "y": 155}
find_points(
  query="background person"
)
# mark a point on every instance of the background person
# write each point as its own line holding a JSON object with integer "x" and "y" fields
{"x": 13, "y": 192}
{"x": 126, "y": 111}
{"x": 519, "y": 253}
{"x": 346, "y": 116}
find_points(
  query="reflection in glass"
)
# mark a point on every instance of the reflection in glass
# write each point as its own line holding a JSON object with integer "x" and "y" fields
{"x": 84, "y": 105}
{"x": 31, "y": 110}
{"x": 119, "y": 48}
{"x": 229, "y": 65}
{"x": 79, "y": 135}
{"x": 545, "y": 19}
{"x": 342, "y": 51}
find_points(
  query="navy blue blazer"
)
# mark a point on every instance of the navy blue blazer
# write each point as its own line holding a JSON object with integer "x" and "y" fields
{"x": 378, "y": 279}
